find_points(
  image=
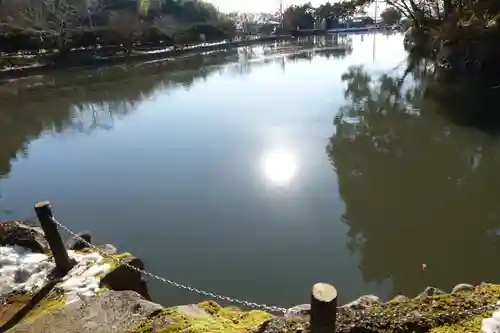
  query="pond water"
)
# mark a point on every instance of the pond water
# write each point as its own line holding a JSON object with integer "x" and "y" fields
{"x": 255, "y": 173}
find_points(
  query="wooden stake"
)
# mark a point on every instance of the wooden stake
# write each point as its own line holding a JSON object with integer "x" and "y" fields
{"x": 323, "y": 308}
{"x": 45, "y": 216}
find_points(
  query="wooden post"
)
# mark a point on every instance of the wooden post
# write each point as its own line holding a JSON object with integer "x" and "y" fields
{"x": 45, "y": 216}
{"x": 323, "y": 308}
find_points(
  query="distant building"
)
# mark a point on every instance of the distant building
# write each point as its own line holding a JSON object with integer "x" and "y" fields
{"x": 356, "y": 22}
{"x": 360, "y": 22}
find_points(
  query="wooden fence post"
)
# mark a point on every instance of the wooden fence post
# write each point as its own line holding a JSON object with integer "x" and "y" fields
{"x": 323, "y": 308}
{"x": 45, "y": 216}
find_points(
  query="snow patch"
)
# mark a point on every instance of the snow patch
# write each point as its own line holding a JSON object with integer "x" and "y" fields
{"x": 25, "y": 271}
{"x": 22, "y": 270}
{"x": 82, "y": 281}
{"x": 491, "y": 325}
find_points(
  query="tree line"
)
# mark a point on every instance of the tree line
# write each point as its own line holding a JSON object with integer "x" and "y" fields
{"x": 330, "y": 15}
{"x": 309, "y": 17}
{"x": 62, "y": 25}
{"x": 461, "y": 35}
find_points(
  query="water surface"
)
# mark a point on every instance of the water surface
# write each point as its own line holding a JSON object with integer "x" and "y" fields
{"x": 257, "y": 172}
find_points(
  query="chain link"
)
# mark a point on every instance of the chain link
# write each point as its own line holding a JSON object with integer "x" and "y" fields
{"x": 253, "y": 305}
{"x": 211, "y": 295}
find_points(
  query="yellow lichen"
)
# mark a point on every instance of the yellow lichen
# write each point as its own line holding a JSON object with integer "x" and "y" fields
{"x": 210, "y": 307}
{"x": 113, "y": 261}
{"x": 469, "y": 326}
{"x": 392, "y": 317}
{"x": 230, "y": 320}
{"x": 50, "y": 303}
{"x": 484, "y": 294}
{"x": 490, "y": 293}
{"x": 102, "y": 290}
{"x": 55, "y": 300}
{"x": 108, "y": 258}
{"x": 444, "y": 313}
{"x": 226, "y": 320}
{"x": 47, "y": 305}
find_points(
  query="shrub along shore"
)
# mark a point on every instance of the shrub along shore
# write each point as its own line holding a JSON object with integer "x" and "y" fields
{"x": 76, "y": 32}
{"x": 461, "y": 36}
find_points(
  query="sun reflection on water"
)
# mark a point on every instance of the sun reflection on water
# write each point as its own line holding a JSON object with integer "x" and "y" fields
{"x": 279, "y": 166}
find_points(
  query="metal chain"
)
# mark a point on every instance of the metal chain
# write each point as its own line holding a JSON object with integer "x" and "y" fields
{"x": 254, "y": 305}
{"x": 211, "y": 295}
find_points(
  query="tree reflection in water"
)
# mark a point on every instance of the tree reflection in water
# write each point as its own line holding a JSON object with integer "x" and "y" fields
{"x": 417, "y": 189}
{"x": 86, "y": 101}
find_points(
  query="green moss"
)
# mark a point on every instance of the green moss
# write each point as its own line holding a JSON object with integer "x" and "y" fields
{"x": 210, "y": 307}
{"x": 445, "y": 312}
{"x": 490, "y": 293}
{"x": 55, "y": 299}
{"x": 468, "y": 326}
{"x": 484, "y": 294}
{"x": 121, "y": 256}
{"x": 102, "y": 290}
{"x": 230, "y": 320}
{"x": 112, "y": 260}
{"x": 145, "y": 326}
{"x": 47, "y": 305}
{"x": 50, "y": 303}
{"x": 107, "y": 257}
{"x": 436, "y": 314}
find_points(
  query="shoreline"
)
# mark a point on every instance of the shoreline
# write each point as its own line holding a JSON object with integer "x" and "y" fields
{"x": 433, "y": 310}
{"x": 139, "y": 56}
{"x": 83, "y": 60}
